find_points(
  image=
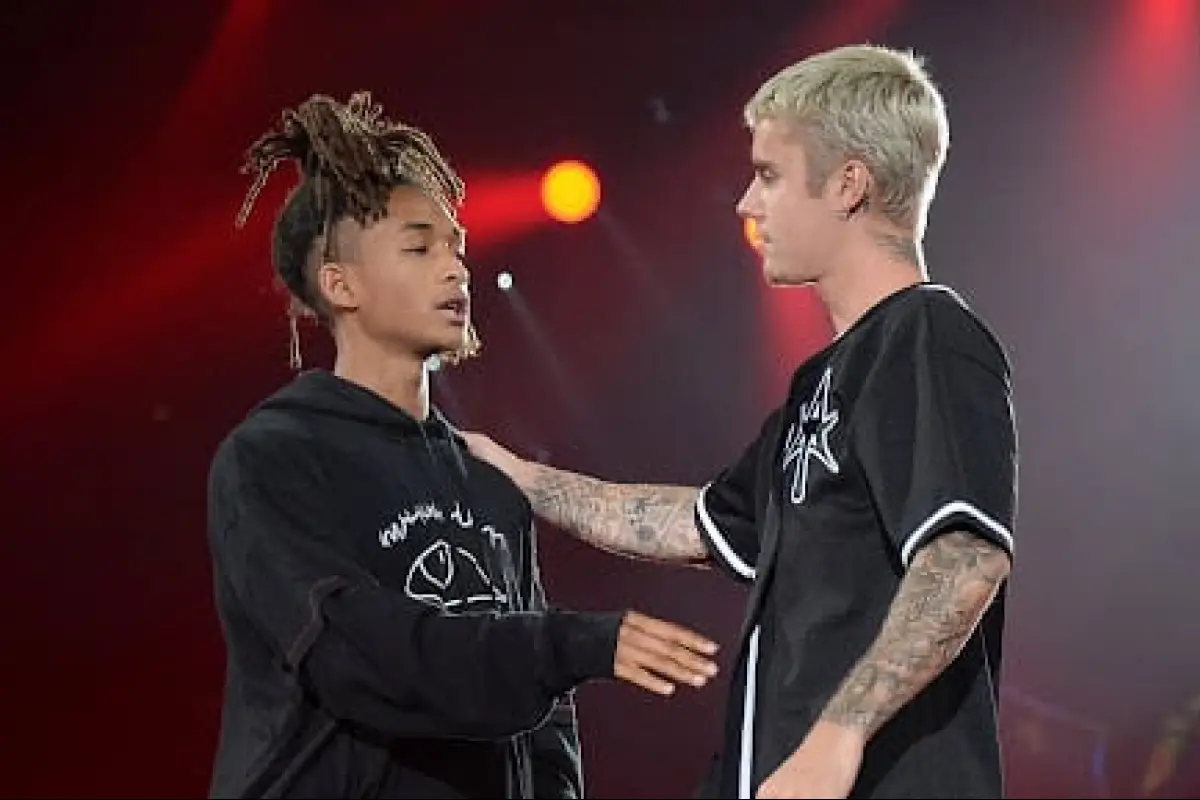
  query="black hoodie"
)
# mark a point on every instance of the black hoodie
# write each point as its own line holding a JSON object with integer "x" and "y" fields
{"x": 385, "y": 627}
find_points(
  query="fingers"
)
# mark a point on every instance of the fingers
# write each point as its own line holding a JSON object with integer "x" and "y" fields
{"x": 669, "y": 631}
{"x": 655, "y": 654}
{"x": 646, "y": 680}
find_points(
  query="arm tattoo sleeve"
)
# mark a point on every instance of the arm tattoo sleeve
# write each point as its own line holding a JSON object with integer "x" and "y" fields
{"x": 948, "y": 587}
{"x": 637, "y": 520}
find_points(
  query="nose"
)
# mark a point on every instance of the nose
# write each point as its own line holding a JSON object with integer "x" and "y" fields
{"x": 458, "y": 271}
{"x": 746, "y": 206}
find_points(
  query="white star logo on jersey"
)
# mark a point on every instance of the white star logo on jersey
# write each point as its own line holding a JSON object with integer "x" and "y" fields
{"x": 809, "y": 438}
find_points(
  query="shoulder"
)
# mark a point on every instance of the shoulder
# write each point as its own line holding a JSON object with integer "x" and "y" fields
{"x": 262, "y": 466}
{"x": 936, "y": 319}
{"x": 265, "y": 443}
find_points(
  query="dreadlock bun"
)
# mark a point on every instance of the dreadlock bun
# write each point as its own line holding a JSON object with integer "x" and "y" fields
{"x": 355, "y": 148}
{"x": 349, "y": 158}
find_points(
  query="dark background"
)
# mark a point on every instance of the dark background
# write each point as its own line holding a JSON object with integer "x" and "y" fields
{"x": 640, "y": 344}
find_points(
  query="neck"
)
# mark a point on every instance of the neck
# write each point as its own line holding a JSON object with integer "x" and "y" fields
{"x": 870, "y": 268}
{"x": 403, "y": 381}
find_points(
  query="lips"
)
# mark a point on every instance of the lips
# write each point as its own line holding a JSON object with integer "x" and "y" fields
{"x": 458, "y": 306}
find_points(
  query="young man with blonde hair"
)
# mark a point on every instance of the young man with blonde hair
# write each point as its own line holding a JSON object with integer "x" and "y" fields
{"x": 873, "y": 513}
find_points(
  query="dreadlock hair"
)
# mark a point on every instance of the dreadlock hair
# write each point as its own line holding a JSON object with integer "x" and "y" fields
{"x": 349, "y": 158}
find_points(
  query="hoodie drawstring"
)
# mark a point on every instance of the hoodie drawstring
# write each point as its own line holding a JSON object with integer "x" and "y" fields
{"x": 457, "y": 488}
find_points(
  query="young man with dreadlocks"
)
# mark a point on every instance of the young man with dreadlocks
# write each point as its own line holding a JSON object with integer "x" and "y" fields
{"x": 386, "y": 629}
{"x": 873, "y": 513}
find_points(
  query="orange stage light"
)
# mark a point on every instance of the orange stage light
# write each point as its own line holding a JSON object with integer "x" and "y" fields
{"x": 570, "y": 191}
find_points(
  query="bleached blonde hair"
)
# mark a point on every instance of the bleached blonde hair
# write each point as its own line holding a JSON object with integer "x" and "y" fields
{"x": 871, "y": 103}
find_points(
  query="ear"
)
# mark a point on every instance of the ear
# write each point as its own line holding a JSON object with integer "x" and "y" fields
{"x": 850, "y": 186}
{"x": 337, "y": 284}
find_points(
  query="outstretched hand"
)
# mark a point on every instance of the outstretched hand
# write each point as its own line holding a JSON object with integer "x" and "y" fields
{"x": 655, "y": 654}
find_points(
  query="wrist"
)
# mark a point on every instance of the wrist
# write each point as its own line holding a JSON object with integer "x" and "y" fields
{"x": 843, "y": 732}
{"x": 585, "y": 645}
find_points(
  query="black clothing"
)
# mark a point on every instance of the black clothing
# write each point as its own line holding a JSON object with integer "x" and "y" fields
{"x": 898, "y": 431}
{"x": 386, "y": 630}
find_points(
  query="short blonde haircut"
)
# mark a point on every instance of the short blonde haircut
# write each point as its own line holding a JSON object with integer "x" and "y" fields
{"x": 870, "y": 103}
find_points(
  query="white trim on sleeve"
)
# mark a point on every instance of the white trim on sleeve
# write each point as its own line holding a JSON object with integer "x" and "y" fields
{"x": 955, "y": 507}
{"x": 720, "y": 544}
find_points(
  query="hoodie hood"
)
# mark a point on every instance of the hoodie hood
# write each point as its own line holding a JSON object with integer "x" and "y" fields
{"x": 321, "y": 392}
{"x": 327, "y": 398}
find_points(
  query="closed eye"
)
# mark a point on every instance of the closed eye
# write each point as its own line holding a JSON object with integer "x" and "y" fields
{"x": 765, "y": 171}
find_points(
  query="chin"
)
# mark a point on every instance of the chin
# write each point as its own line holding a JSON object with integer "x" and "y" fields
{"x": 777, "y": 274}
{"x": 440, "y": 352}
{"x": 450, "y": 345}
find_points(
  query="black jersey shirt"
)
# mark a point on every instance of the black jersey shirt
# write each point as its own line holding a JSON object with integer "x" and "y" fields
{"x": 898, "y": 431}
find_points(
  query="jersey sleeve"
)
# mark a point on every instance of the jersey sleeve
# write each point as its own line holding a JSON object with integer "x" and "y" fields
{"x": 934, "y": 431}
{"x": 726, "y": 510}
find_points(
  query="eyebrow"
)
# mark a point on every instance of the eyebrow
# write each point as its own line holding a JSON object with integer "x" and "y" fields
{"x": 414, "y": 225}
{"x": 459, "y": 232}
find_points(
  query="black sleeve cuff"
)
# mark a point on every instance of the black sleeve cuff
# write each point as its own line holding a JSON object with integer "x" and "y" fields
{"x": 585, "y": 645}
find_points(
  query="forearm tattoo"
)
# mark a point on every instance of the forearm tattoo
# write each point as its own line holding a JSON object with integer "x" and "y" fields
{"x": 945, "y": 592}
{"x": 640, "y": 520}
